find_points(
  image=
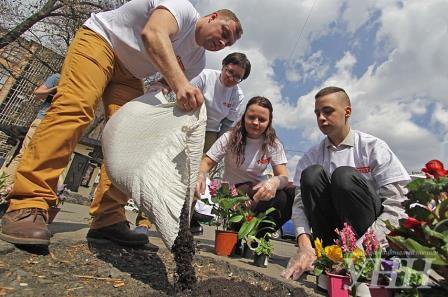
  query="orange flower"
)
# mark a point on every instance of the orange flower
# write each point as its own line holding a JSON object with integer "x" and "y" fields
{"x": 334, "y": 253}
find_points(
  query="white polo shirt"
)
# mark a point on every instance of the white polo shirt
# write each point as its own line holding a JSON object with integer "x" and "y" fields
{"x": 122, "y": 28}
{"x": 368, "y": 154}
{"x": 373, "y": 158}
{"x": 221, "y": 101}
{"x": 255, "y": 162}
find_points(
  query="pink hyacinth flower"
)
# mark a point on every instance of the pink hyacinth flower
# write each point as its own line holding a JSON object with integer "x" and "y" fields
{"x": 213, "y": 187}
{"x": 348, "y": 238}
{"x": 370, "y": 242}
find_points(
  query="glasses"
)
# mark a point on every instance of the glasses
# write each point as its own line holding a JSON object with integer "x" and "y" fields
{"x": 232, "y": 74}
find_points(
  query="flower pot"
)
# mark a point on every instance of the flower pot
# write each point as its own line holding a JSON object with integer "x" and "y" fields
{"x": 225, "y": 242}
{"x": 261, "y": 260}
{"x": 52, "y": 212}
{"x": 364, "y": 290}
{"x": 338, "y": 285}
{"x": 380, "y": 291}
{"x": 239, "y": 249}
{"x": 322, "y": 282}
{"x": 247, "y": 252}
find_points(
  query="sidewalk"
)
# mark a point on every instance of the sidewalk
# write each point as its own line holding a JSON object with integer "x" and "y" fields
{"x": 72, "y": 222}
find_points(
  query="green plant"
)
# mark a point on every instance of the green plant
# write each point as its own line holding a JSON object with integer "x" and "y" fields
{"x": 425, "y": 233}
{"x": 252, "y": 222}
{"x": 226, "y": 203}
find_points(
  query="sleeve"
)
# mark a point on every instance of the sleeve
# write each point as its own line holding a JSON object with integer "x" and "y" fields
{"x": 199, "y": 81}
{"x": 298, "y": 216}
{"x": 392, "y": 195}
{"x": 237, "y": 101}
{"x": 219, "y": 148}
{"x": 183, "y": 11}
{"x": 52, "y": 81}
{"x": 278, "y": 155}
{"x": 386, "y": 168}
{"x": 303, "y": 163}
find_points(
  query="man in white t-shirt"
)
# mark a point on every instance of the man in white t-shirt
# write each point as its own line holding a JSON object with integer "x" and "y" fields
{"x": 107, "y": 59}
{"x": 350, "y": 177}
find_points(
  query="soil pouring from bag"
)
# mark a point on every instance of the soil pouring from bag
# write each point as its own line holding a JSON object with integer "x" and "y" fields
{"x": 183, "y": 250}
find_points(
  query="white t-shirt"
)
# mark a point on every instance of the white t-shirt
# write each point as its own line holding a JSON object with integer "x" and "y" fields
{"x": 221, "y": 101}
{"x": 255, "y": 163}
{"x": 370, "y": 155}
{"x": 123, "y": 26}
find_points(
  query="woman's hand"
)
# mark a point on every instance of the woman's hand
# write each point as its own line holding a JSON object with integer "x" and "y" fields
{"x": 200, "y": 185}
{"x": 265, "y": 190}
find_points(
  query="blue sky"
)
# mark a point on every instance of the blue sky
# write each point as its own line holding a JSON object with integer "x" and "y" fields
{"x": 390, "y": 56}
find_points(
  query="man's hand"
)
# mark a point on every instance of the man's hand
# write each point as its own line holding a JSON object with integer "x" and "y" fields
{"x": 299, "y": 263}
{"x": 189, "y": 97}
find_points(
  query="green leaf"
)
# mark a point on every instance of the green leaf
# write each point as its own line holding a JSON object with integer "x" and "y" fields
{"x": 418, "y": 250}
{"x": 236, "y": 218}
{"x": 269, "y": 222}
{"x": 247, "y": 228}
{"x": 420, "y": 213}
{"x": 431, "y": 233}
{"x": 442, "y": 226}
{"x": 270, "y": 210}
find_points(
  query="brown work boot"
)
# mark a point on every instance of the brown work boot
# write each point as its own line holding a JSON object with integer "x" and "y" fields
{"x": 120, "y": 233}
{"x": 26, "y": 226}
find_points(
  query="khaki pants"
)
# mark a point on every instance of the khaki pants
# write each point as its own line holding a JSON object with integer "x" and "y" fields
{"x": 90, "y": 72}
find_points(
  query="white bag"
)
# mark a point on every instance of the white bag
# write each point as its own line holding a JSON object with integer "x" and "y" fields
{"x": 152, "y": 154}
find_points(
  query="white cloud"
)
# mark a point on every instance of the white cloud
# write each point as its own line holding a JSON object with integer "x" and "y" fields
{"x": 387, "y": 97}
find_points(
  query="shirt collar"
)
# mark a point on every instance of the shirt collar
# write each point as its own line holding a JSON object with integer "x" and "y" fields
{"x": 349, "y": 141}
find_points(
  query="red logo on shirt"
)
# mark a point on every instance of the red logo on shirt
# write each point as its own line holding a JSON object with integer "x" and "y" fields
{"x": 179, "y": 60}
{"x": 365, "y": 169}
{"x": 227, "y": 104}
{"x": 264, "y": 161}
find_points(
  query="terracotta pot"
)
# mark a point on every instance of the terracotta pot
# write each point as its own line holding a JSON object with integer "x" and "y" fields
{"x": 261, "y": 260}
{"x": 52, "y": 212}
{"x": 225, "y": 242}
{"x": 338, "y": 285}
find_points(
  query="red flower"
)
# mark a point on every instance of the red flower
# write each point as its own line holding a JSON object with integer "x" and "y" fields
{"x": 249, "y": 218}
{"x": 434, "y": 168}
{"x": 411, "y": 223}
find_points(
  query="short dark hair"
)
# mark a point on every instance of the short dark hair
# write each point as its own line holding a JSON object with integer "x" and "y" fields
{"x": 230, "y": 15}
{"x": 239, "y": 59}
{"x": 330, "y": 90}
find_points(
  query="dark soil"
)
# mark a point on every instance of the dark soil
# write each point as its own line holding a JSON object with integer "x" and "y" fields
{"x": 184, "y": 251}
{"x": 104, "y": 269}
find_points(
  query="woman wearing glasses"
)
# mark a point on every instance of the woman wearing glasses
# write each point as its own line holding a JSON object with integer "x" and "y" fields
{"x": 223, "y": 98}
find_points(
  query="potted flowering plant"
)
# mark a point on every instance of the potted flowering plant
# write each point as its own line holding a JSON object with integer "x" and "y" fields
{"x": 348, "y": 266}
{"x": 424, "y": 234}
{"x": 225, "y": 201}
{"x": 254, "y": 224}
